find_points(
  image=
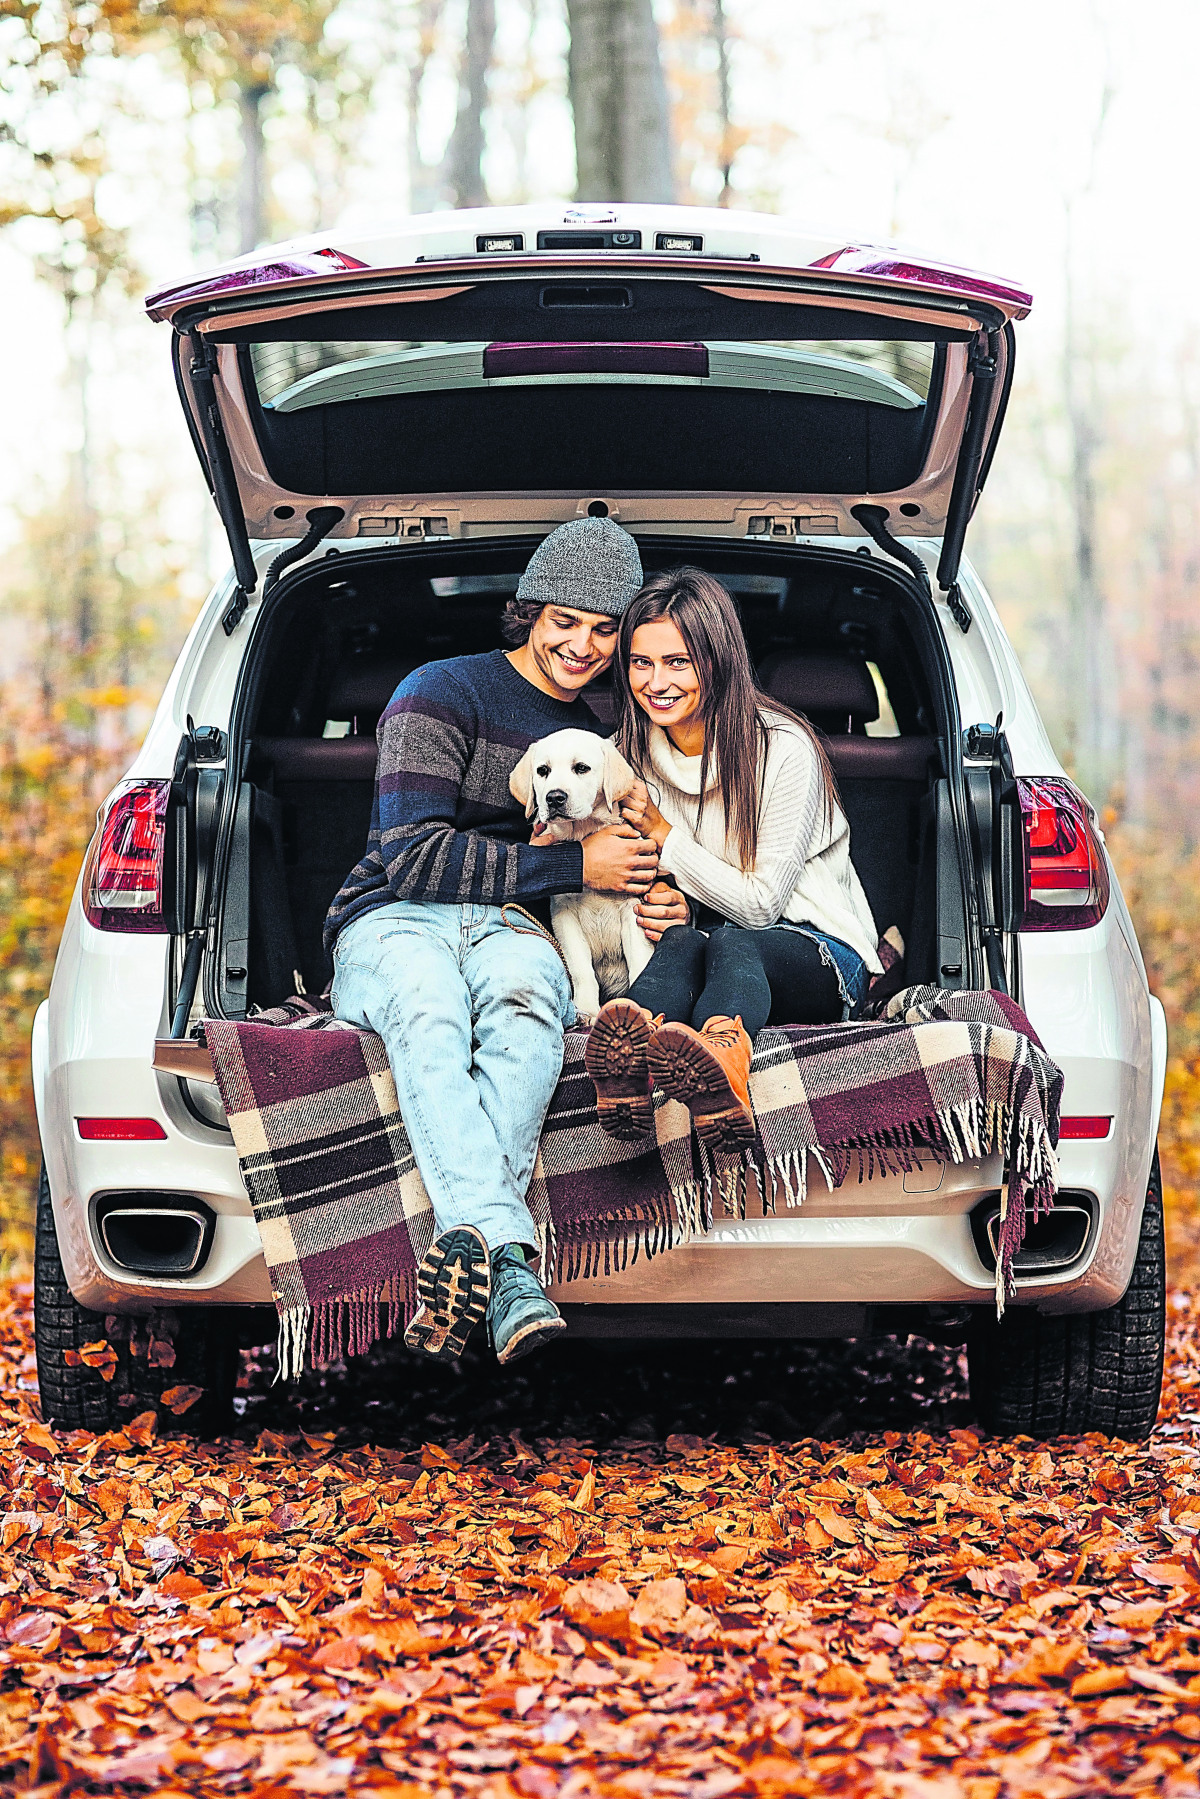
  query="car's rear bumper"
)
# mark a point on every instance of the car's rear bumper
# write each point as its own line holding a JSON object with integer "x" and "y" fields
{"x": 891, "y": 1241}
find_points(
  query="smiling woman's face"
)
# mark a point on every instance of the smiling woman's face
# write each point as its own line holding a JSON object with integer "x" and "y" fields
{"x": 662, "y": 676}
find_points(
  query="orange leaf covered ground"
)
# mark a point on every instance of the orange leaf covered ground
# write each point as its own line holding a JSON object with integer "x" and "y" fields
{"x": 683, "y": 1570}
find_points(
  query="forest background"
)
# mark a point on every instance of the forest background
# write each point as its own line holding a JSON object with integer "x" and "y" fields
{"x": 140, "y": 139}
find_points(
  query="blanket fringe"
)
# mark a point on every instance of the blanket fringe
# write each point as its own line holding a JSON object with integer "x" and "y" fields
{"x": 348, "y": 1325}
{"x": 294, "y": 1322}
{"x": 963, "y": 1131}
{"x": 585, "y": 1248}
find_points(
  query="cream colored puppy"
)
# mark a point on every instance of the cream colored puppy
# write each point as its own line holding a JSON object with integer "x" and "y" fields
{"x": 573, "y": 783}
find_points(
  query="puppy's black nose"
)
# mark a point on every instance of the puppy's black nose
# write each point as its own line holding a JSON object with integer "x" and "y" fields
{"x": 556, "y": 799}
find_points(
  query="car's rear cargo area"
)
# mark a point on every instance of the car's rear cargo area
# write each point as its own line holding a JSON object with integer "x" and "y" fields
{"x": 841, "y": 642}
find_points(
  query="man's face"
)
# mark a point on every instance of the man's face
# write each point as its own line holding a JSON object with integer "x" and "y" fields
{"x": 570, "y": 648}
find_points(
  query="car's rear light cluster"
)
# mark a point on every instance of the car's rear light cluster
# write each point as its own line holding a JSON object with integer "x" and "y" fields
{"x": 1066, "y": 872}
{"x": 123, "y": 875}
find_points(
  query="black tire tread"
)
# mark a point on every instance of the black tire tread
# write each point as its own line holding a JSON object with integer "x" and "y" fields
{"x": 1100, "y": 1371}
{"x": 78, "y": 1398}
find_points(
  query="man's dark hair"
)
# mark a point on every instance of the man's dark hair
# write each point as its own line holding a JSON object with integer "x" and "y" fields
{"x": 518, "y": 620}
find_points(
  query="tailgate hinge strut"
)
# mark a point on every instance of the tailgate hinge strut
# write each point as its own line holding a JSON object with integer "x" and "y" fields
{"x": 983, "y": 366}
{"x": 202, "y": 370}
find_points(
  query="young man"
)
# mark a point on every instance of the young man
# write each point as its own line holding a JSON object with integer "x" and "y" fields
{"x": 470, "y": 1011}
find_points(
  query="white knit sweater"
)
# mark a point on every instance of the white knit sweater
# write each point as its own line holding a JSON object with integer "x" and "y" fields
{"x": 802, "y": 870}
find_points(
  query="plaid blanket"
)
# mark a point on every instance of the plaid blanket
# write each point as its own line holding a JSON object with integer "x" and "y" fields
{"x": 345, "y": 1218}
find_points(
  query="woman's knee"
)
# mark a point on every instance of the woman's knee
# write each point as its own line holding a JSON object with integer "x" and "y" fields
{"x": 730, "y": 948}
{"x": 680, "y": 943}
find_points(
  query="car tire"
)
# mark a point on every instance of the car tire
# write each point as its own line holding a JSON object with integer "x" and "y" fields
{"x": 1041, "y": 1376}
{"x": 75, "y": 1396}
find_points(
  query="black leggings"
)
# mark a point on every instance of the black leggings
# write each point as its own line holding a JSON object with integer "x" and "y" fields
{"x": 763, "y": 976}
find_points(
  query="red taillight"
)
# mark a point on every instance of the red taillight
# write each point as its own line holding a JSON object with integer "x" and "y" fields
{"x": 120, "y": 1130}
{"x": 1090, "y": 1130}
{"x": 123, "y": 876}
{"x": 1066, "y": 874}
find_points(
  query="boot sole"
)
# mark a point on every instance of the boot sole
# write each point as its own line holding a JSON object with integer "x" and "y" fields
{"x": 616, "y": 1059}
{"x": 530, "y": 1337}
{"x": 454, "y": 1284}
{"x": 685, "y": 1069}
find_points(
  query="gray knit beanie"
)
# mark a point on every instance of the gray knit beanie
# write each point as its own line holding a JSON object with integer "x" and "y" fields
{"x": 588, "y": 563}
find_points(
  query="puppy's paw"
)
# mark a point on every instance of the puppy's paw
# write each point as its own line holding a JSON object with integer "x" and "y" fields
{"x": 587, "y": 1019}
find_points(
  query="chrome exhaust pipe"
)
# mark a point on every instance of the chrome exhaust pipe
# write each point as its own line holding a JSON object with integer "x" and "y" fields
{"x": 160, "y": 1236}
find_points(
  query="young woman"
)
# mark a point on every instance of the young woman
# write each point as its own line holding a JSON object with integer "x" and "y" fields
{"x": 739, "y": 796}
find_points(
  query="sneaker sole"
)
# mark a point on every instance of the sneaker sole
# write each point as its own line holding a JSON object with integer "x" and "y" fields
{"x": 454, "y": 1284}
{"x": 530, "y": 1337}
{"x": 684, "y": 1069}
{"x": 616, "y": 1059}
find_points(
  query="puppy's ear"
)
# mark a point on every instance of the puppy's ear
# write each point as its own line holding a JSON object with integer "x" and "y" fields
{"x": 520, "y": 783}
{"x": 618, "y": 776}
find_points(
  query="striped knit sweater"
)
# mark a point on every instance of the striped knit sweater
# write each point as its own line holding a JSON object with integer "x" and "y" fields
{"x": 444, "y": 825}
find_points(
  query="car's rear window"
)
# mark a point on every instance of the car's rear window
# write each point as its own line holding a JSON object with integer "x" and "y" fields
{"x": 493, "y": 393}
{"x": 294, "y": 377}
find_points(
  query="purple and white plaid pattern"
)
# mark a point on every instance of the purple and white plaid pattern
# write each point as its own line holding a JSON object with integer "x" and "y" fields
{"x": 345, "y": 1218}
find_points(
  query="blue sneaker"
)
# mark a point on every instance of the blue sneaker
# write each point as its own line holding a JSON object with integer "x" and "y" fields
{"x": 453, "y": 1284}
{"x": 520, "y": 1317}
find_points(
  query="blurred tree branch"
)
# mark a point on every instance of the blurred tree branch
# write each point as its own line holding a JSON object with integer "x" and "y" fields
{"x": 238, "y": 48}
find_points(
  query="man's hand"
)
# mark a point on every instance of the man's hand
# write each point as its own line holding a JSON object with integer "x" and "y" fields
{"x": 617, "y": 860}
{"x": 662, "y": 907}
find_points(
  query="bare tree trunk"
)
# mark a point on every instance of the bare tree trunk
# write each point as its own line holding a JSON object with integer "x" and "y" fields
{"x": 251, "y": 182}
{"x": 464, "y": 153}
{"x": 423, "y": 179}
{"x": 1088, "y": 622}
{"x": 82, "y": 537}
{"x": 1097, "y": 689}
{"x": 720, "y": 31}
{"x": 619, "y": 99}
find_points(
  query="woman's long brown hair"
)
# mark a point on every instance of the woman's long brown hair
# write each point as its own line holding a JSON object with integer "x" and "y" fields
{"x": 731, "y": 703}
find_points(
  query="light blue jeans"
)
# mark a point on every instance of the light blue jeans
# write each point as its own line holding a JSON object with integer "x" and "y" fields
{"x": 472, "y": 1015}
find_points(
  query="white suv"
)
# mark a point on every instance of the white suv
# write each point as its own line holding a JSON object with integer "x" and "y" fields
{"x": 388, "y": 424}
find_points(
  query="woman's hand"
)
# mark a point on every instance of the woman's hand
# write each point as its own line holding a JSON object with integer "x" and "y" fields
{"x": 639, "y": 810}
{"x": 633, "y": 806}
{"x": 661, "y": 908}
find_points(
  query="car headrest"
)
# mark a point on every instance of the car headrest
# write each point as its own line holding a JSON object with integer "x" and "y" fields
{"x": 603, "y": 702}
{"x": 362, "y": 689}
{"x": 837, "y": 688}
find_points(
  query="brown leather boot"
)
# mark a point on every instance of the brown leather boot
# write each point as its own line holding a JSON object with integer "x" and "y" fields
{"x": 709, "y": 1070}
{"x": 615, "y": 1057}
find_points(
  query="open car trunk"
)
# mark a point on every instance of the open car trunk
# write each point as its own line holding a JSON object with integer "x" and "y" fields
{"x": 846, "y": 642}
{"x": 355, "y": 394}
